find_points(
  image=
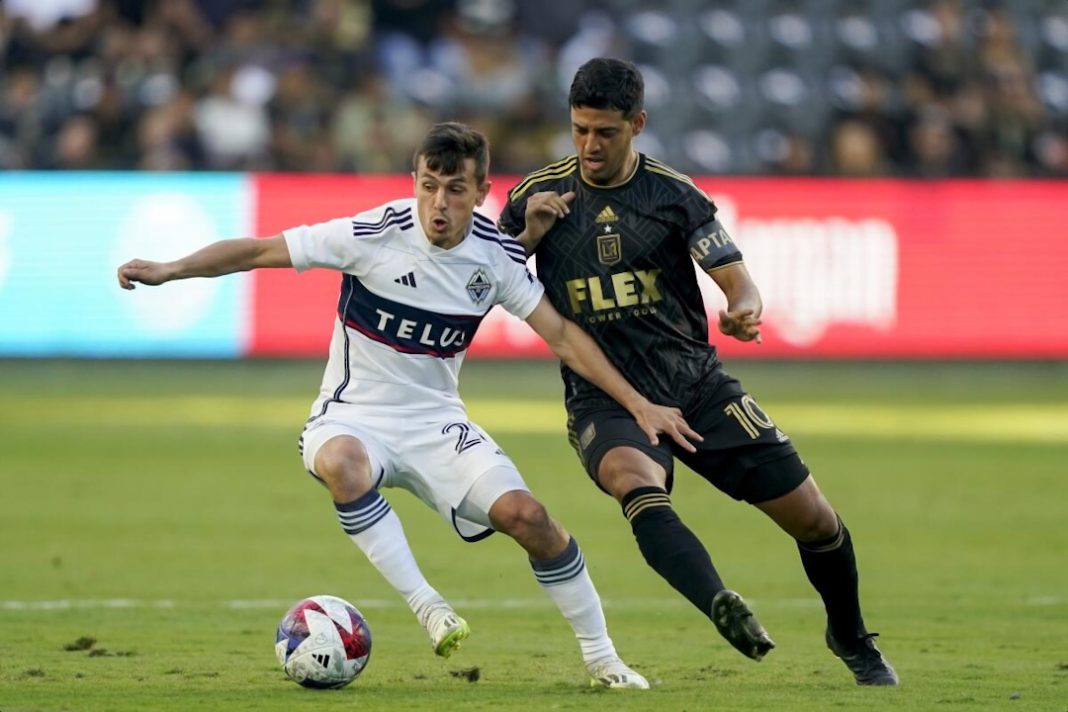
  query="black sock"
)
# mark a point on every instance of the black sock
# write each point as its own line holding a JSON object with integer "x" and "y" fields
{"x": 670, "y": 548}
{"x": 831, "y": 566}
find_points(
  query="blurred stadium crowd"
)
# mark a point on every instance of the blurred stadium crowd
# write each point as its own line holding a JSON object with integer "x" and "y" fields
{"x": 912, "y": 88}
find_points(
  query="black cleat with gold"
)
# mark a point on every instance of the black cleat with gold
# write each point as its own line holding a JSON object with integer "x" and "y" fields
{"x": 864, "y": 660}
{"x": 739, "y": 626}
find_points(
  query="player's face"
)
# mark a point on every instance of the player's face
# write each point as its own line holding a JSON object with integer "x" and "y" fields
{"x": 604, "y": 143}
{"x": 446, "y": 202}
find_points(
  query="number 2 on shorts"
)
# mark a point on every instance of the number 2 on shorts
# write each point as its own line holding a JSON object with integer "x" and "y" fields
{"x": 467, "y": 437}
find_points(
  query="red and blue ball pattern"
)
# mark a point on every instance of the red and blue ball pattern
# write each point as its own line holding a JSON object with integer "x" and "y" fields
{"x": 323, "y": 642}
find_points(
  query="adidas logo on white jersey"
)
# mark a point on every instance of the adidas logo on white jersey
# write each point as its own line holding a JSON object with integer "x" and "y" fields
{"x": 408, "y": 280}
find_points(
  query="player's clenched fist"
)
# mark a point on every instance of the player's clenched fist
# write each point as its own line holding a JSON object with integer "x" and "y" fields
{"x": 143, "y": 271}
{"x": 742, "y": 324}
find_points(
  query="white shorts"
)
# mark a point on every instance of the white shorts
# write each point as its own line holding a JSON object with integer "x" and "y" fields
{"x": 451, "y": 465}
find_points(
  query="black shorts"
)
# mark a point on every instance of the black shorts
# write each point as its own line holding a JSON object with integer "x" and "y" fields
{"x": 743, "y": 454}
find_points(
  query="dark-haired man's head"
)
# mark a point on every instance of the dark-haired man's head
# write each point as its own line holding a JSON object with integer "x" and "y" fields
{"x": 608, "y": 83}
{"x": 450, "y": 168}
{"x": 606, "y": 100}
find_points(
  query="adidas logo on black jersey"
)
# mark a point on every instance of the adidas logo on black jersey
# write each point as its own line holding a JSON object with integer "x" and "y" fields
{"x": 408, "y": 280}
{"x": 607, "y": 215}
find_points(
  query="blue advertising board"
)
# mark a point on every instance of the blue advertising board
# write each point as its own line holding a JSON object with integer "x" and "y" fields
{"x": 62, "y": 236}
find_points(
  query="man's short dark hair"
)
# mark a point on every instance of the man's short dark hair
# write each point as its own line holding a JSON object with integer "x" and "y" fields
{"x": 448, "y": 144}
{"x": 607, "y": 83}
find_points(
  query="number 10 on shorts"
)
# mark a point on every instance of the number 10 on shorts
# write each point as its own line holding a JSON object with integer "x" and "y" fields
{"x": 749, "y": 415}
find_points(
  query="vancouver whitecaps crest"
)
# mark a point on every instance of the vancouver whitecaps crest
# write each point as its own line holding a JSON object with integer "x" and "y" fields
{"x": 478, "y": 286}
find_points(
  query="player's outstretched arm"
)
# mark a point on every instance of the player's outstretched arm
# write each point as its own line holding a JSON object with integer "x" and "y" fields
{"x": 575, "y": 348}
{"x": 741, "y": 318}
{"x": 542, "y": 212}
{"x": 218, "y": 258}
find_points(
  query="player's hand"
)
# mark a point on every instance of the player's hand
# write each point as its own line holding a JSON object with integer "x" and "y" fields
{"x": 741, "y": 324}
{"x": 143, "y": 271}
{"x": 543, "y": 210}
{"x": 654, "y": 419}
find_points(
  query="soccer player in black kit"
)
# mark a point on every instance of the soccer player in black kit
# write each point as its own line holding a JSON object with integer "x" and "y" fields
{"x": 615, "y": 234}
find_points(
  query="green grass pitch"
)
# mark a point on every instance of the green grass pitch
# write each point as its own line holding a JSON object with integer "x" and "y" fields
{"x": 161, "y": 510}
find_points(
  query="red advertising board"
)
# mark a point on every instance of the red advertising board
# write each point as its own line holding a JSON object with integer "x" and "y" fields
{"x": 293, "y": 314}
{"x": 847, "y": 269}
{"x": 904, "y": 269}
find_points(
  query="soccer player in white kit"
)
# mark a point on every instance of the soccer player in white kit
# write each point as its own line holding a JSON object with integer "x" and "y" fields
{"x": 418, "y": 275}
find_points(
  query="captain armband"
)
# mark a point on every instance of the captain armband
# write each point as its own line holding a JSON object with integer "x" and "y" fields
{"x": 711, "y": 246}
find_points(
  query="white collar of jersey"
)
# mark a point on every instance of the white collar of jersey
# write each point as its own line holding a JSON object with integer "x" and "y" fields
{"x": 430, "y": 248}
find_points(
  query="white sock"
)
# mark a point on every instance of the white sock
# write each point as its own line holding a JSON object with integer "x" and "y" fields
{"x": 374, "y": 527}
{"x": 567, "y": 582}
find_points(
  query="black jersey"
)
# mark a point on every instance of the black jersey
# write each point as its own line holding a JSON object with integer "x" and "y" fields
{"x": 620, "y": 266}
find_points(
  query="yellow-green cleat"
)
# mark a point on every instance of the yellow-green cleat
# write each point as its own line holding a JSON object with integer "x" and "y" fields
{"x": 446, "y": 629}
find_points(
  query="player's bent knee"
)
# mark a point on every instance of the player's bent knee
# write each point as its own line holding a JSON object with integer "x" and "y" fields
{"x": 817, "y": 519}
{"x": 804, "y": 513}
{"x": 519, "y": 515}
{"x": 343, "y": 464}
{"x": 816, "y": 525}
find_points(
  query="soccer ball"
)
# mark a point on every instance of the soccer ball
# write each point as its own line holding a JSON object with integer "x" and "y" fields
{"x": 323, "y": 642}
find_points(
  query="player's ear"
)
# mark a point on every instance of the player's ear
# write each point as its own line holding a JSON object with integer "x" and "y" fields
{"x": 483, "y": 193}
{"x": 638, "y": 122}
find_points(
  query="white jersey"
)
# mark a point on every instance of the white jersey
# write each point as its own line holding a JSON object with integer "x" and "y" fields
{"x": 408, "y": 309}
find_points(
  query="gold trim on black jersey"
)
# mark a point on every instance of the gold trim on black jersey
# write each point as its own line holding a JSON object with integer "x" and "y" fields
{"x": 560, "y": 169}
{"x": 729, "y": 264}
{"x": 655, "y": 166}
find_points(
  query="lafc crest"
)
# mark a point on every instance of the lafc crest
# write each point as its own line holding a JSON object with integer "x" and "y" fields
{"x": 478, "y": 286}
{"x": 609, "y": 249}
